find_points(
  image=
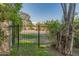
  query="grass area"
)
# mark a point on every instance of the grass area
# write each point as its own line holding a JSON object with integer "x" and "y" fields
{"x": 31, "y": 49}
{"x": 32, "y": 36}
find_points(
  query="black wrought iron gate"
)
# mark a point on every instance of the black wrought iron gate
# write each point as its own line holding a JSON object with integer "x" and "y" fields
{"x": 24, "y": 37}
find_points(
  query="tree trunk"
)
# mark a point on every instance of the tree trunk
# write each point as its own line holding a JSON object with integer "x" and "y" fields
{"x": 65, "y": 40}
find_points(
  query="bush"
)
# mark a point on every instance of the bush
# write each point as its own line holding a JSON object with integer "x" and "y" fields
{"x": 76, "y": 39}
{"x": 76, "y": 42}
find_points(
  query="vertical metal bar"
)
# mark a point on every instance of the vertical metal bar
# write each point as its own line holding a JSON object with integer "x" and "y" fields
{"x": 18, "y": 36}
{"x": 10, "y": 37}
{"x": 38, "y": 36}
{"x": 13, "y": 35}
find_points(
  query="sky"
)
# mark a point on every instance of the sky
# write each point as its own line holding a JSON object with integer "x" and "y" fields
{"x": 41, "y": 12}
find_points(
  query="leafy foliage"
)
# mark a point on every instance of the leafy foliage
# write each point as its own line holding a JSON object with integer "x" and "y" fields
{"x": 76, "y": 30}
{"x": 53, "y": 27}
{"x": 10, "y": 12}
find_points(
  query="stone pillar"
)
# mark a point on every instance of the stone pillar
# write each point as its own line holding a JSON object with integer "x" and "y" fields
{"x": 4, "y": 26}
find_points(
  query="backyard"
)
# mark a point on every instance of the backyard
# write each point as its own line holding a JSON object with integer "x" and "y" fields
{"x": 39, "y": 29}
{"x": 28, "y": 46}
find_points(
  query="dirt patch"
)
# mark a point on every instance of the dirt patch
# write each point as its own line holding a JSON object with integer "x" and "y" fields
{"x": 32, "y": 32}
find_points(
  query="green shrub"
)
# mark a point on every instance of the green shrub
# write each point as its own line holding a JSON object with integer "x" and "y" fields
{"x": 76, "y": 42}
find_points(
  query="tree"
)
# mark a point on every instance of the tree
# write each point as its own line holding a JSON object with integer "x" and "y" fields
{"x": 53, "y": 27}
{"x": 66, "y": 35}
